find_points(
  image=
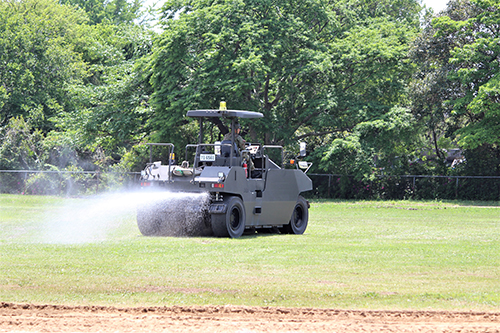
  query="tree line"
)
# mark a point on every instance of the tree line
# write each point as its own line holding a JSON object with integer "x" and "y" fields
{"x": 377, "y": 86}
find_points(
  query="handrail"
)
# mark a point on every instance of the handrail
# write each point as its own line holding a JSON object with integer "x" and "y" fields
{"x": 275, "y": 147}
{"x": 171, "y": 145}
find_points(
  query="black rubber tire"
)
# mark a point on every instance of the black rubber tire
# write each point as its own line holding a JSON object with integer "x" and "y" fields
{"x": 149, "y": 223}
{"x": 299, "y": 219}
{"x": 185, "y": 218}
{"x": 231, "y": 224}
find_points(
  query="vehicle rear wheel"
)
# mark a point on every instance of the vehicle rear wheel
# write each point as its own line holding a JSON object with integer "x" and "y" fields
{"x": 148, "y": 222}
{"x": 178, "y": 218}
{"x": 232, "y": 223}
{"x": 300, "y": 217}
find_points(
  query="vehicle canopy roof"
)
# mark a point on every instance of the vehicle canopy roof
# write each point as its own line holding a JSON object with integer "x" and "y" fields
{"x": 224, "y": 113}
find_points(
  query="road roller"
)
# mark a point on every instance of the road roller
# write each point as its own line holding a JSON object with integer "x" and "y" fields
{"x": 222, "y": 190}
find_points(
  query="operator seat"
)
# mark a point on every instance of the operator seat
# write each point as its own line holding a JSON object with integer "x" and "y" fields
{"x": 226, "y": 150}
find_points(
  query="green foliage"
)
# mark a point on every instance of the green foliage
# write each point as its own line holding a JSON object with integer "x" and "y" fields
{"x": 386, "y": 142}
{"x": 237, "y": 51}
{"x": 21, "y": 145}
{"x": 21, "y": 148}
{"x": 73, "y": 182}
{"x": 315, "y": 70}
{"x": 345, "y": 156}
{"x": 111, "y": 109}
{"x": 477, "y": 69}
{"x": 456, "y": 91}
{"x": 37, "y": 58}
{"x": 82, "y": 89}
{"x": 108, "y": 11}
{"x": 90, "y": 83}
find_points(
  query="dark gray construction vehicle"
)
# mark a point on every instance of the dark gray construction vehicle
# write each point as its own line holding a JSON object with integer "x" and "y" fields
{"x": 216, "y": 194}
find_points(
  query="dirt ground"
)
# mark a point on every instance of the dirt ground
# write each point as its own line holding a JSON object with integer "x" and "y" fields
{"x": 238, "y": 319}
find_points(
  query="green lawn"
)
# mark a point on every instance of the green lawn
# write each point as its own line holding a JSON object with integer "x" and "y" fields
{"x": 355, "y": 254}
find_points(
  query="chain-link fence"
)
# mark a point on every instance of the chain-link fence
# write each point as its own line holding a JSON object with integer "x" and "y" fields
{"x": 68, "y": 183}
{"x": 73, "y": 183}
{"x": 406, "y": 187}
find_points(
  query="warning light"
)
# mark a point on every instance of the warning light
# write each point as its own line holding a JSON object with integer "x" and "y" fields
{"x": 292, "y": 162}
{"x": 223, "y": 106}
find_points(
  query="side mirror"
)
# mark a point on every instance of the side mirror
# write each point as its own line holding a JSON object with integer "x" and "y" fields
{"x": 303, "y": 152}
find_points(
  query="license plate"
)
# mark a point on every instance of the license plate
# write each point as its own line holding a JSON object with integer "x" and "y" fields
{"x": 207, "y": 157}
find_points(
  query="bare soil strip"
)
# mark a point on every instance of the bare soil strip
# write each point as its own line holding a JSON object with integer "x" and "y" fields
{"x": 241, "y": 319}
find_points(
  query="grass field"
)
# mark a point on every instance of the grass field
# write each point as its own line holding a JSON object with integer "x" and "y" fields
{"x": 370, "y": 255}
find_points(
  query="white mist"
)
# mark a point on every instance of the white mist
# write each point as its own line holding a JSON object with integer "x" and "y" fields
{"x": 94, "y": 218}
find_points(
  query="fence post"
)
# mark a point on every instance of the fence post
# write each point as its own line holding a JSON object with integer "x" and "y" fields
{"x": 97, "y": 182}
{"x": 414, "y": 187}
{"x": 24, "y": 182}
{"x": 329, "y": 184}
{"x": 456, "y": 188}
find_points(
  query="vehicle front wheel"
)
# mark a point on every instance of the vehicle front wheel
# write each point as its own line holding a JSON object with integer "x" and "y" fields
{"x": 300, "y": 217}
{"x": 232, "y": 223}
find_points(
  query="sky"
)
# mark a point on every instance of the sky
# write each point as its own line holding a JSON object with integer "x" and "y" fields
{"x": 437, "y": 5}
